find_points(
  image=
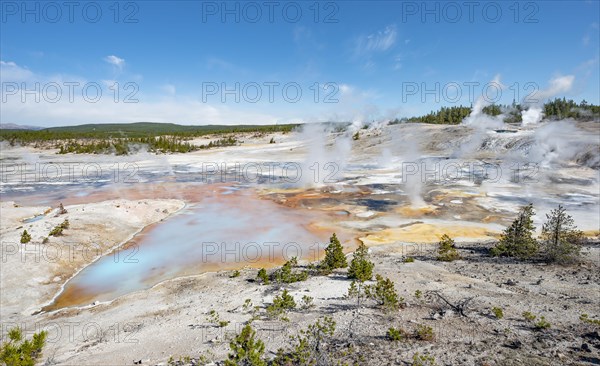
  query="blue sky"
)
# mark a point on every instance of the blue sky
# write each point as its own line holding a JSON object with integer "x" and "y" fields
{"x": 364, "y": 58}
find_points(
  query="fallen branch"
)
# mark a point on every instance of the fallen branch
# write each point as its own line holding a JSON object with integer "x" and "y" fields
{"x": 460, "y": 307}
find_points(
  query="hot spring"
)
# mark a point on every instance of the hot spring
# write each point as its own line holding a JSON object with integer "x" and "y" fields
{"x": 226, "y": 230}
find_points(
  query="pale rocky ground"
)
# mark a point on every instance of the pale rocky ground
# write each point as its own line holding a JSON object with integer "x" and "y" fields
{"x": 170, "y": 318}
{"x": 33, "y": 273}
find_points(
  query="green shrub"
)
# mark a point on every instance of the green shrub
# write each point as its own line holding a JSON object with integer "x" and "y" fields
{"x": 384, "y": 293}
{"x": 396, "y": 334}
{"x": 498, "y": 313}
{"x": 418, "y": 294}
{"x": 409, "y": 260}
{"x": 424, "y": 333}
{"x": 246, "y": 350}
{"x": 307, "y": 302}
{"x": 22, "y": 352}
{"x": 213, "y": 318}
{"x": 334, "y": 255}
{"x": 542, "y": 324}
{"x": 25, "y": 237}
{"x": 528, "y": 316}
{"x": 262, "y": 276}
{"x": 447, "y": 250}
{"x": 281, "y": 305}
{"x": 353, "y": 290}
{"x": 247, "y": 305}
{"x": 423, "y": 360}
{"x": 57, "y": 231}
{"x": 308, "y": 346}
{"x": 235, "y": 274}
{"x": 286, "y": 273}
{"x": 586, "y": 319}
{"x": 517, "y": 240}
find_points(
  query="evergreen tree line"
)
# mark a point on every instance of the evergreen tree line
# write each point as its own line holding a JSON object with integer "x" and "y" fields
{"x": 126, "y": 131}
{"x": 553, "y": 110}
{"x": 125, "y": 146}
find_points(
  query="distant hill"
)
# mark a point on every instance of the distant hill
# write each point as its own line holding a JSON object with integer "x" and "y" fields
{"x": 132, "y": 131}
{"x": 147, "y": 127}
{"x": 14, "y": 126}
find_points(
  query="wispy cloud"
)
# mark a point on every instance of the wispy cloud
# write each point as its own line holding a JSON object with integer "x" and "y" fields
{"x": 12, "y": 72}
{"x": 398, "y": 62}
{"x": 116, "y": 61}
{"x": 218, "y": 64}
{"x": 383, "y": 40}
{"x": 556, "y": 86}
{"x": 592, "y": 31}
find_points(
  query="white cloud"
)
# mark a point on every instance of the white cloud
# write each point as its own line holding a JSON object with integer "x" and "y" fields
{"x": 11, "y": 72}
{"x": 109, "y": 83}
{"x": 116, "y": 61}
{"x": 558, "y": 85}
{"x": 345, "y": 88}
{"x": 80, "y": 111}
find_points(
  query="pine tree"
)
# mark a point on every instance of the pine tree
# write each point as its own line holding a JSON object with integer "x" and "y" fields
{"x": 361, "y": 268}
{"x": 22, "y": 352}
{"x": 384, "y": 293}
{"x": 334, "y": 255}
{"x": 447, "y": 250}
{"x": 25, "y": 237}
{"x": 263, "y": 276}
{"x": 517, "y": 240}
{"x": 561, "y": 239}
{"x": 246, "y": 351}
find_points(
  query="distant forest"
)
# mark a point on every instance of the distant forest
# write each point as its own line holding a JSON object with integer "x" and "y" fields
{"x": 122, "y": 139}
{"x": 553, "y": 110}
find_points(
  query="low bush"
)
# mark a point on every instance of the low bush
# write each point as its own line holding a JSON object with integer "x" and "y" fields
{"x": 498, "y": 313}
{"x": 262, "y": 276}
{"x": 18, "y": 351}
{"x": 25, "y": 237}
{"x": 281, "y": 305}
{"x": 424, "y": 333}
{"x": 447, "y": 250}
{"x": 396, "y": 334}
{"x": 384, "y": 292}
